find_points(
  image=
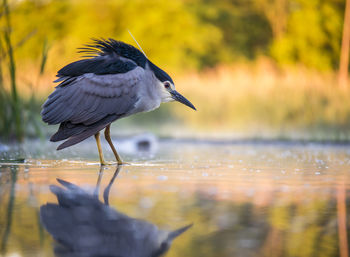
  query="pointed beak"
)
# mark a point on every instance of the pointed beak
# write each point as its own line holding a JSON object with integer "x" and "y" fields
{"x": 172, "y": 235}
{"x": 178, "y": 97}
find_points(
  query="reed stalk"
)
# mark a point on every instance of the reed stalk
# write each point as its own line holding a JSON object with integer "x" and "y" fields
{"x": 15, "y": 103}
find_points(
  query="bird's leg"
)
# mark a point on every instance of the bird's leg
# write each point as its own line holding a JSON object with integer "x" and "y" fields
{"x": 109, "y": 140}
{"x": 100, "y": 153}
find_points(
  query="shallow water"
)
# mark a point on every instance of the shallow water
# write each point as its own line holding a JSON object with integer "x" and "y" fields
{"x": 243, "y": 198}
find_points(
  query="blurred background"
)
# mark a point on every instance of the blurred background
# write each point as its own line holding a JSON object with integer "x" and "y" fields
{"x": 253, "y": 68}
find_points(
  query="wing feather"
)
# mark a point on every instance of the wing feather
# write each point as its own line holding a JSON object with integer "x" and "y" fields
{"x": 91, "y": 97}
{"x": 95, "y": 117}
{"x": 96, "y": 103}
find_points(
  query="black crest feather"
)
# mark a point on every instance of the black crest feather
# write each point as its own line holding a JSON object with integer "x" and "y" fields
{"x": 102, "y": 47}
{"x": 104, "y": 57}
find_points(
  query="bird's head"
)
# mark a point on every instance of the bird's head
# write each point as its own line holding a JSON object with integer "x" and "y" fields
{"x": 165, "y": 239}
{"x": 167, "y": 87}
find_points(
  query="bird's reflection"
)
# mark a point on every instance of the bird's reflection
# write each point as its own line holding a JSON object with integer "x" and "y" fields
{"x": 84, "y": 226}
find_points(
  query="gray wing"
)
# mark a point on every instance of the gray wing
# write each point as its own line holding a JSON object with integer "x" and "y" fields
{"x": 90, "y": 98}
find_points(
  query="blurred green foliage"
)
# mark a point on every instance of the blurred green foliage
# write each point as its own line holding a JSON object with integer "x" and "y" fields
{"x": 184, "y": 34}
{"x": 312, "y": 35}
{"x": 15, "y": 113}
{"x": 18, "y": 114}
{"x": 245, "y": 30}
{"x": 169, "y": 32}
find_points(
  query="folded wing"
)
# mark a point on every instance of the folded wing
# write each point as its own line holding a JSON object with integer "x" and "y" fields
{"x": 89, "y": 102}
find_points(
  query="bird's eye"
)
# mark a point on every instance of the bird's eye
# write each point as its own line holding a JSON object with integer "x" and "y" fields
{"x": 167, "y": 85}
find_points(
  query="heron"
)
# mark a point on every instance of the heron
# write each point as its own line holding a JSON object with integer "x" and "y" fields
{"x": 112, "y": 81}
{"x": 84, "y": 226}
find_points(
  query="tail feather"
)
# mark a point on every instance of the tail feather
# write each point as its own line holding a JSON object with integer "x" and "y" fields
{"x": 80, "y": 137}
{"x": 76, "y": 133}
{"x": 67, "y": 130}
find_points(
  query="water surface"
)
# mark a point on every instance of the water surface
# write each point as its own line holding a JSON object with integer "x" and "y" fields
{"x": 244, "y": 199}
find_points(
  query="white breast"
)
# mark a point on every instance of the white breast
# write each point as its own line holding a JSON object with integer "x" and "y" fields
{"x": 148, "y": 93}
